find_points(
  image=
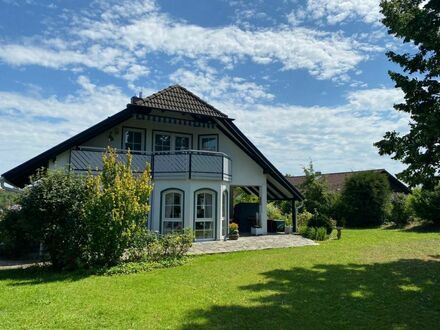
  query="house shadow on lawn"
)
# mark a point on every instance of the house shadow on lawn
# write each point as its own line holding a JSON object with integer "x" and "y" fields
{"x": 399, "y": 294}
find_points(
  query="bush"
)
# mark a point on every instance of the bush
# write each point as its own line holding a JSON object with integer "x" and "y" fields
{"x": 15, "y": 238}
{"x": 315, "y": 233}
{"x": 364, "y": 199}
{"x": 170, "y": 246}
{"x": 51, "y": 213}
{"x": 117, "y": 209}
{"x": 321, "y": 220}
{"x": 426, "y": 204}
{"x": 400, "y": 213}
{"x": 304, "y": 218}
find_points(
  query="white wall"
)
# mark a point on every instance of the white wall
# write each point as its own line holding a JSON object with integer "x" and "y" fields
{"x": 245, "y": 172}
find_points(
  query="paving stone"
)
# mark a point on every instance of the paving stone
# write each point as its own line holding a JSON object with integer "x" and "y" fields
{"x": 248, "y": 243}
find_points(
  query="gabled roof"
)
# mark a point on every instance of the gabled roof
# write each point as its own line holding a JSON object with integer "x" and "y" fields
{"x": 177, "y": 98}
{"x": 335, "y": 181}
{"x": 173, "y": 98}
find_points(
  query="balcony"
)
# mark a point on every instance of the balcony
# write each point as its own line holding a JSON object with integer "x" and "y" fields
{"x": 185, "y": 164}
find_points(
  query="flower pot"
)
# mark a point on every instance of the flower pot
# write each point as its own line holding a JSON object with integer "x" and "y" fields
{"x": 288, "y": 229}
{"x": 234, "y": 237}
{"x": 256, "y": 231}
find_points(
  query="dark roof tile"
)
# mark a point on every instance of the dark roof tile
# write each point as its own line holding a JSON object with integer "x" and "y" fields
{"x": 177, "y": 98}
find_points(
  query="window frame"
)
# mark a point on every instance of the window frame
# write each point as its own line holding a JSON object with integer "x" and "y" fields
{"x": 173, "y": 136}
{"x": 143, "y": 132}
{"x": 201, "y": 136}
{"x": 163, "y": 205}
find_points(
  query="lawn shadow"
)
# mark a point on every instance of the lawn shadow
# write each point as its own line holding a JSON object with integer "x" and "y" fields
{"x": 34, "y": 275}
{"x": 399, "y": 294}
{"x": 423, "y": 228}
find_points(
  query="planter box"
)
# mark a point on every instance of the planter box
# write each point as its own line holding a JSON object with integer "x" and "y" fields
{"x": 256, "y": 231}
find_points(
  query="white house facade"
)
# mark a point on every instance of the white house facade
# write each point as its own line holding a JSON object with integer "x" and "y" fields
{"x": 197, "y": 157}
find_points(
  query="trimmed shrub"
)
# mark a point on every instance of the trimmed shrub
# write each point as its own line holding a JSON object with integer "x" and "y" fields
{"x": 426, "y": 204}
{"x": 364, "y": 199}
{"x": 400, "y": 213}
{"x": 169, "y": 246}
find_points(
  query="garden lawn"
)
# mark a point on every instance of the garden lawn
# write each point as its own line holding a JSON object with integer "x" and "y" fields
{"x": 377, "y": 279}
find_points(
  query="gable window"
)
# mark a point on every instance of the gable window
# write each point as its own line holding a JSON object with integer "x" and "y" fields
{"x": 208, "y": 142}
{"x": 171, "y": 141}
{"x": 204, "y": 220}
{"x": 172, "y": 211}
{"x": 133, "y": 139}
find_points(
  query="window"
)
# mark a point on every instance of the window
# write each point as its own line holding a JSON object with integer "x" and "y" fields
{"x": 205, "y": 208}
{"x": 162, "y": 142}
{"x": 208, "y": 142}
{"x": 172, "y": 211}
{"x": 133, "y": 139}
{"x": 171, "y": 141}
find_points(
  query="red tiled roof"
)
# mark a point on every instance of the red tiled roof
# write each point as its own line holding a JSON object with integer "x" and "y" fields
{"x": 335, "y": 181}
{"x": 177, "y": 98}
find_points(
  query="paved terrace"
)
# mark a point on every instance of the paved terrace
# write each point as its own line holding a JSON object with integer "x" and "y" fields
{"x": 248, "y": 243}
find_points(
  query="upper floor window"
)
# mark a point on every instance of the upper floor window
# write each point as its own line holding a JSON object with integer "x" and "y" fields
{"x": 208, "y": 142}
{"x": 133, "y": 139}
{"x": 171, "y": 141}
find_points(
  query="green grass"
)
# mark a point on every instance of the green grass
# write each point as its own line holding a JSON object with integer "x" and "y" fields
{"x": 376, "y": 279}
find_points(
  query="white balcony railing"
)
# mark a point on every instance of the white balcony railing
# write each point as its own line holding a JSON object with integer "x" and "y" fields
{"x": 184, "y": 164}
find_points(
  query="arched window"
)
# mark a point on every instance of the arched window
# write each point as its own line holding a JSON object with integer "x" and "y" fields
{"x": 225, "y": 221}
{"x": 204, "y": 227}
{"x": 172, "y": 210}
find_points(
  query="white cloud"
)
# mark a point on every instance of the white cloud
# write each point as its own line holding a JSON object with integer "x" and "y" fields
{"x": 375, "y": 99}
{"x": 338, "y": 11}
{"x": 30, "y": 124}
{"x": 116, "y": 38}
{"x": 211, "y": 86}
{"x": 335, "y": 138}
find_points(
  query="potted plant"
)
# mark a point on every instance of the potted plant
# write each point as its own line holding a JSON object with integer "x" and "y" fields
{"x": 233, "y": 231}
{"x": 288, "y": 228}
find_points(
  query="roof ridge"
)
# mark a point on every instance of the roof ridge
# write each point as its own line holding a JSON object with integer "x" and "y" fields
{"x": 343, "y": 172}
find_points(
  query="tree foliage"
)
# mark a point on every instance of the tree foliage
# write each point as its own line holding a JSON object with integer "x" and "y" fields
{"x": 416, "y": 22}
{"x": 426, "y": 204}
{"x": 365, "y": 198}
{"x": 315, "y": 190}
{"x": 117, "y": 208}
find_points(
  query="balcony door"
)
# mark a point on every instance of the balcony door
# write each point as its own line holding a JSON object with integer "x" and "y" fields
{"x": 205, "y": 209}
{"x": 167, "y": 141}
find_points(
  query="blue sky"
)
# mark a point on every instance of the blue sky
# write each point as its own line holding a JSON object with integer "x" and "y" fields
{"x": 305, "y": 80}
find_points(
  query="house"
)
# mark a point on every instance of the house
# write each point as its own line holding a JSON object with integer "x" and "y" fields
{"x": 336, "y": 181}
{"x": 197, "y": 156}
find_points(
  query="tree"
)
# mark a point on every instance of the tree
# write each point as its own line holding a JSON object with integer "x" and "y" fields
{"x": 365, "y": 198}
{"x": 117, "y": 209}
{"x": 426, "y": 204}
{"x": 416, "y": 22}
{"x": 316, "y": 193}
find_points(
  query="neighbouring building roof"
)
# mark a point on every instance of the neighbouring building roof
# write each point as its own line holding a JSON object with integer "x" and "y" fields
{"x": 174, "y": 98}
{"x": 336, "y": 181}
{"x": 177, "y": 98}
